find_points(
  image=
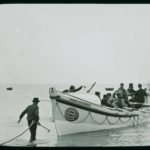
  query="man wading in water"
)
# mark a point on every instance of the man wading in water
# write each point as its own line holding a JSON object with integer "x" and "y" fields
{"x": 32, "y": 112}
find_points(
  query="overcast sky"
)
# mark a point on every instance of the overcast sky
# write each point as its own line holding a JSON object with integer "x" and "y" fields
{"x": 78, "y": 43}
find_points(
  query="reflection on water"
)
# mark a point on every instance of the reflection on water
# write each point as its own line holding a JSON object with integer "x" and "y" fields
{"x": 127, "y": 136}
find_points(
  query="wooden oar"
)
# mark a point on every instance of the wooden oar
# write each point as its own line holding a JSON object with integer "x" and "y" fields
{"x": 45, "y": 128}
{"x": 91, "y": 87}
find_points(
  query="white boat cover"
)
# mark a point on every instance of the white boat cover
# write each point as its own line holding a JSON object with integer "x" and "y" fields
{"x": 87, "y": 97}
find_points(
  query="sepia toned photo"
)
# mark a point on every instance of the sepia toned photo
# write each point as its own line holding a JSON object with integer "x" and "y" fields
{"x": 74, "y": 75}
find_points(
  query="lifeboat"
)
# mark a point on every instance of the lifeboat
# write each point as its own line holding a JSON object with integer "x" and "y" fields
{"x": 82, "y": 112}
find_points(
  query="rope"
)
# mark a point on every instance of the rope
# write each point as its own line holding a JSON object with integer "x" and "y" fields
{"x": 112, "y": 123}
{"x": 16, "y": 136}
{"x": 142, "y": 117}
{"x": 96, "y": 121}
{"x": 124, "y": 121}
{"x": 106, "y": 118}
{"x": 60, "y": 109}
{"x": 133, "y": 120}
{"x": 83, "y": 119}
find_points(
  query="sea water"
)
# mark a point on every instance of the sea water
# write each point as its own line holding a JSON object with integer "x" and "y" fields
{"x": 13, "y": 102}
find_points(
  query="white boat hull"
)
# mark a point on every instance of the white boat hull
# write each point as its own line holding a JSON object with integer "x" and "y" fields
{"x": 71, "y": 119}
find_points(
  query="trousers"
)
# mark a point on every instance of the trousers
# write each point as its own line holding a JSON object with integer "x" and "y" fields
{"x": 32, "y": 130}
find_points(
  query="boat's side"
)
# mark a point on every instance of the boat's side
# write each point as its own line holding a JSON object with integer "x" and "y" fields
{"x": 72, "y": 116}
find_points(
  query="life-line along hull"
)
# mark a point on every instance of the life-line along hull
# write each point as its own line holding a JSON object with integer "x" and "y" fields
{"x": 72, "y": 115}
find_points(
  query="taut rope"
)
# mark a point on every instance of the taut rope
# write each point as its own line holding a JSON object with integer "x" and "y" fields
{"x": 17, "y": 135}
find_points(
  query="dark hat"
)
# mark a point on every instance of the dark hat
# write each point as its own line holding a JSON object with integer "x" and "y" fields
{"x": 139, "y": 85}
{"x": 108, "y": 94}
{"x": 130, "y": 84}
{"x": 72, "y": 87}
{"x": 35, "y": 99}
{"x": 97, "y": 93}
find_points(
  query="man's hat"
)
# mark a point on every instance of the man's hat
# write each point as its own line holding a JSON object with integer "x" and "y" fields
{"x": 72, "y": 87}
{"x": 130, "y": 84}
{"x": 35, "y": 99}
{"x": 139, "y": 85}
{"x": 97, "y": 93}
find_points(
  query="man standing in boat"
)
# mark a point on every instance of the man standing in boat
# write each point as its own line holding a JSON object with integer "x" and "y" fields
{"x": 122, "y": 95}
{"x": 72, "y": 89}
{"x": 32, "y": 112}
{"x": 140, "y": 95}
{"x": 131, "y": 92}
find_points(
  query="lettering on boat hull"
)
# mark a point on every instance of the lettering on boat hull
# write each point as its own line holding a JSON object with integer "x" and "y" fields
{"x": 79, "y": 102}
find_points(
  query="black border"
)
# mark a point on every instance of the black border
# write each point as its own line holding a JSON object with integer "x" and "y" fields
{"x": 76, "y": 2}
{"x": 76, "y": 148}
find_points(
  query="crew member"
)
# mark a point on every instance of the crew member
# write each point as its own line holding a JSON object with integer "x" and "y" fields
{"x": 122, "y": 93}
{"x": 98, "y": 94}
{"x": 32, "y": 112}
{"x": 131, "y": 92}
{"x": 72, "y": 89}
{"x": 140, "y": 95}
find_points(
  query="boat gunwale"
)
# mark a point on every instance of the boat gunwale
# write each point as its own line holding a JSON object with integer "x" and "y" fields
{"x": 59, "y": 99}
{"x": 78, "y": 98}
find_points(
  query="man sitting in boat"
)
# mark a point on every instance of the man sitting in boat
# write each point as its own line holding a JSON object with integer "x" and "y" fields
{"x": 140, "y": 96}
{"x": 72, "y": 89}
{"x": 119, "y": 102}
{"x": 107, "y": 100}
{"x": 131, "y": 92}
{"x": 112, "y": 101}
{"x": 121, "y": 95}
{"x": 104, "y": 100}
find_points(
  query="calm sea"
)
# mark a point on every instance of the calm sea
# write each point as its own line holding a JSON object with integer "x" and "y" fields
{"x": 12, "y": 103}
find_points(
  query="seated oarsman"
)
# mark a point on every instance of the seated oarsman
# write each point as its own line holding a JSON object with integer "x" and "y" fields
{"x": 112, "y": 101}
{"x": 119, "y": 102}
{"x": 121, "y": 95}
{"x": 110, "y": 98}
{"x": 72, "y": 89}
{"x": 131, "y": 93}
{"x": 106, "y": 100}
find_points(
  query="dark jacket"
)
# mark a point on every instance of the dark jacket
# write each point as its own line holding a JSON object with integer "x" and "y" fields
{"x": 32, "y": 112}
{"x": 140, "y": 94}
{"x": 131, "y": 92}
